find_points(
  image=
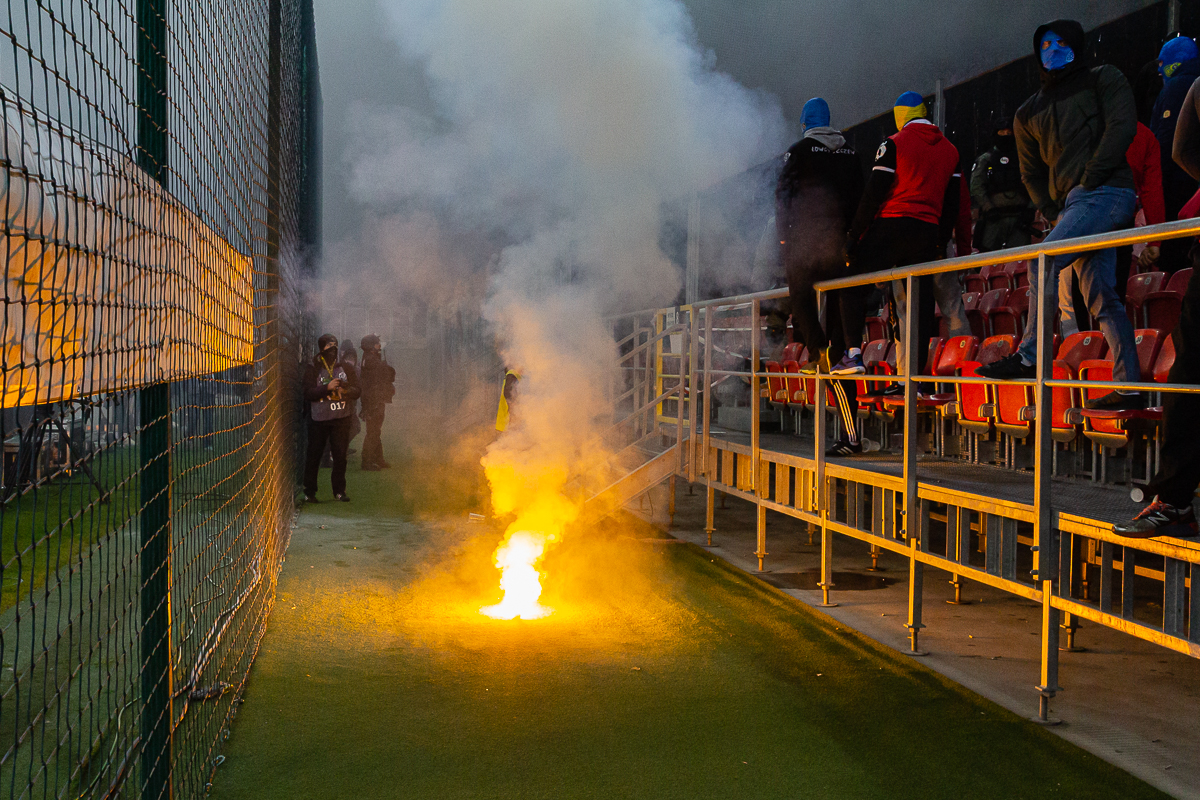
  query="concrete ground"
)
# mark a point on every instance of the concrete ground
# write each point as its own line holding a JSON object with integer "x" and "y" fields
{"x": 1128, "y": 701}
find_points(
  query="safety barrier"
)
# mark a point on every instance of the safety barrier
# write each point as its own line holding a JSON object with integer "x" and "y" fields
{"x": 1024, "y": 531}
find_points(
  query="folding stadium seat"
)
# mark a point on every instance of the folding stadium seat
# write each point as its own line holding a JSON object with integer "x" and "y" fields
{"x": 876, "y": 328}
{"x": 875, "y": 361}
{"x": 1015, "y": 404}
{"x": 989, "y": 302}
{"x": 995, "y": 276}
{"x": 1161, "y": 309}
{"x": 1010, "y": 318}
{"x": 1117, "y": 429}
{"x": 975, "y": 282}
{"x": 1018, "y": 274}
{"x": 975, "y": 404}
{"x": 946, "y": 358}
{"x": 776, "y": 391}
{"x": 1136, "y": 290}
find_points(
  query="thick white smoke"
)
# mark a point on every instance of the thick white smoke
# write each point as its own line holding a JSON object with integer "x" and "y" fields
{"x": 561, "y": 128}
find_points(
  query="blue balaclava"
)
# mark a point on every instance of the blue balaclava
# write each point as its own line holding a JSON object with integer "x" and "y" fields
{"x": 815, "y": 114}
{"x": 1174, "y": 53}
{"x": 1054, "y": 53}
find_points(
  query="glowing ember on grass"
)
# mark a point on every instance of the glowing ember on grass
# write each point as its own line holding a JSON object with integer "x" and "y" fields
{"x": 520, "y": 580}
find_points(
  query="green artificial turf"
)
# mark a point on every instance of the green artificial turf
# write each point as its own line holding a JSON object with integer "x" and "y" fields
{"x": 663, "y": 673}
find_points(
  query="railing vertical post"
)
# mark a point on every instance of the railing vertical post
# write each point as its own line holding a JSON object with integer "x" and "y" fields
{"x": 912, "y": 505}
{"x": 1043, "y": 533}
{"x": 822, "y": 498}
{"x": 154, "y": 443}
{"x": 755, "y": 425}
{"x": 693, "y": 343}
{"x": 706, "y": 387}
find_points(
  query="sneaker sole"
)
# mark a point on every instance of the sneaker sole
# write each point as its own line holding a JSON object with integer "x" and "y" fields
{"x": 854, "y": 371}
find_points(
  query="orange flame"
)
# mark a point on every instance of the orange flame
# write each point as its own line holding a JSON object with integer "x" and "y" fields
{"x": 533, "y": 492}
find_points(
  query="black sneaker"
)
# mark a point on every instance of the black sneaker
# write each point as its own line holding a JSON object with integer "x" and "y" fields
{"x": 1117, "y": 401}
{"x": 345, "y": 498}
{"x": 311, "y": 498}
{"x": 1007, "y": 369}
{"x": 891, "y": 390}
{"x": 1157, "y": 519}
{"x": 844, "y": 448}
{"x": 370, "y": 468}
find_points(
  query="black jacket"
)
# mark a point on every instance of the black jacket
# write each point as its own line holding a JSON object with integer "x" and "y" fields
{"x": 378, "y": 378}
{"x": 1076, "y": 130}
{"x": 816, "y": 196}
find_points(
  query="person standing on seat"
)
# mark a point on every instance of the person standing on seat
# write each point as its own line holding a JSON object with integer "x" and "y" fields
{"x": 817, "y": 193}
{"x": 1005, "y": 213}
{"x": 1174, "y": 485}
{"x": 1179, "y": 66}
{"x": 1144, "y": 161}
{"x": 1072, "y": 137}
{"x": 378, "y": 389}
{"x": 330, "y": 390}
{"x": 909, "y": 208}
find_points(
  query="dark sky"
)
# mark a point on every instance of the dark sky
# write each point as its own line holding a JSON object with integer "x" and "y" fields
{"x": 860, "y": 56}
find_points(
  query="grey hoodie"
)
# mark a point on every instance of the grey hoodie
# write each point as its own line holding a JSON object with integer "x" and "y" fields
{"x": 829, "y": 137}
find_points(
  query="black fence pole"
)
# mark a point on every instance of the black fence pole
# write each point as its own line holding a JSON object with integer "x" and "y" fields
{"x": 154, "y": 407}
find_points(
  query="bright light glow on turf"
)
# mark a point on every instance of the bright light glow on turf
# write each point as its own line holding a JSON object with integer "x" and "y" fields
{"x": 520, "y": 580}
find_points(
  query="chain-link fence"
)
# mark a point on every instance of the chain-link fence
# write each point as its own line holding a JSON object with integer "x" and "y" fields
{"x": 160, "y": 206}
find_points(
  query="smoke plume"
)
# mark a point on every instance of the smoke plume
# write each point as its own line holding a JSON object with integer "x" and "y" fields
{"x": 557, "y": 129}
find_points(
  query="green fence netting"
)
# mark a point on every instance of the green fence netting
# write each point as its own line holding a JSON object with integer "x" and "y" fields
{"x": 160, "y": 207}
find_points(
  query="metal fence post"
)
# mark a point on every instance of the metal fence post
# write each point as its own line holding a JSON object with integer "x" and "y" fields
{"x": 1047, "y": 301}
{"x": 154, "y": 444}
{"x": 912, "y": 505}
{"x": 755, "y": 444}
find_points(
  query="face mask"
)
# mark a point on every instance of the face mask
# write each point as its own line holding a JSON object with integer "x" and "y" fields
{"x": 1055, "y": 53}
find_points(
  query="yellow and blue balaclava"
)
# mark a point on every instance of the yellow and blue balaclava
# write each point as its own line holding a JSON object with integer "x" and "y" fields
{"x": 1174, "y": 53}
{"x": 909, "y": 106}
{"x": 815, "y": 114}
{"x": 1055, "y": 53}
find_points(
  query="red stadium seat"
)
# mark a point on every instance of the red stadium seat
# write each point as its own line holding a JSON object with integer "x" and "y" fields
{"x": 1179, "y": 281}
{"x": 1136, "y": 290}
{"x": 1160, "y": 310}
{"x": 978, "y": 316}
{"x": 1148, "y": 341}
{"x": 1010, "y": 318}
{"x": 876, "y": 328}
{"x": 1018, "y": 274}
{"x": 1165, "y": 360}
{"x": 795, "y": 386}
{"x": 776, "y": 391}
{"x": 947, "y": 358}
{"x": 976, "y": 401}
{"x": 995, "y": 276}
{"x": 1080, "y": 347}
{"x": 975, "y": 282}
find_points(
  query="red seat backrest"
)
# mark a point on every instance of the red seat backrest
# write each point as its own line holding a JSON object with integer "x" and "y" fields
{"x": 992, "y": 300}
{"x": 1019, "y": 299}
{"x": 935, "y": 351}
{"x": 776, "y": 386}
{"x": 1096, "y": 370}
{"x": 1148, "y": 341}
{"x": 1179, "y": 281}
{"x": 992, "y": 270}
{"x": 970, "y": 300}
{"x": 995, "y": 348}
{"x": 971, "y": 395}
{"x": 974, "y": 282}
{"x": 795, "y": 387}
{"x": 1139, "y": 286}
{"x": 1061, "y": 397}
{"x": 1015, "y": 270}
{"x": 792, "y": 352}
{"x": 1165, "y": 360}
{"x": 1080, "y": 347}
{"x": 954, "y": 352}
{"x": 875, "y": 352}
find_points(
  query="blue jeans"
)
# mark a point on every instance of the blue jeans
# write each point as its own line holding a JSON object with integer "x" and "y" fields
{"x": 1088, "y": 212}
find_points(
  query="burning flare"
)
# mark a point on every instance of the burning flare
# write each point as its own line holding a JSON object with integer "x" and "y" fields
{"x": 520, "y": 580}
{"x": 534, "y": 493}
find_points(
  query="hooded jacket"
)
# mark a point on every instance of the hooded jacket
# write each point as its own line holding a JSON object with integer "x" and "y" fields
{"x": 817, "y": 193}
{"x": 1076, "y": 130}
{"x": 916, "y": 176}
{"x": 1176, "y": 182}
